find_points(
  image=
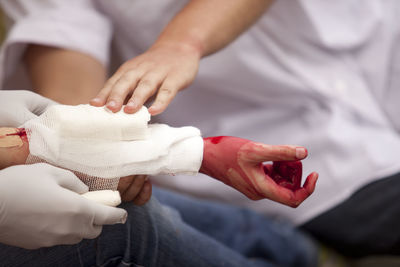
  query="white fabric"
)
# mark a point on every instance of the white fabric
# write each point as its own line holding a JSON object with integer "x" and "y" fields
{"x": 78, "y": 138}
{"x": 106, "y": 197}
{"x": 323, "y": 74}
{"x": 57, "y": 28}
{"x": 90, "y": 122}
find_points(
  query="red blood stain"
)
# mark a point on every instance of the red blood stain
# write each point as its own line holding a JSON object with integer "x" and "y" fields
{"x": 215, "y": 139}
{"x": 21, "y": 132}
{"x": 286, "y": 173}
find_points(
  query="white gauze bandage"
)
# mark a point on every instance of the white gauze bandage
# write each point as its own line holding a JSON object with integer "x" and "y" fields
{"x": 101, "y": 146}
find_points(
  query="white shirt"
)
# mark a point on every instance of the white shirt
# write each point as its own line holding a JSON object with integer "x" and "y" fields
{"x": 322, "y": 74}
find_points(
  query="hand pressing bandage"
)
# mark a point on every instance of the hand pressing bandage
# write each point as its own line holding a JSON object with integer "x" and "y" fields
{"x": 101, "y": 155}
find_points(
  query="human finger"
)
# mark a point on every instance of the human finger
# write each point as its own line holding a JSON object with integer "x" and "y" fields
{"x": 258, "y": 152}
{"x": 38, "y": 104}
{"x": 146, "y": 87}
{"x": 95, "y": 231}
{"x": 100, "y": 99}
{"x": 107, "y": 215}
{"x": 134, "y": 188}
{"x": 166, "y": 93}
{"x": 121, "y": 88}
{"x": 310, "y": 183}
{"x": 144, "y": 194}
{"x": 303, "y": 193}
{"x": 66, "y": 179}
{"x": 124, "y": 183}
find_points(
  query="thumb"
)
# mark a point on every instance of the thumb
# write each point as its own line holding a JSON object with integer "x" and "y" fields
{"x": 38, "y": 104}
{"x": 108, "y": 215}
{"x": 68, "y": 180}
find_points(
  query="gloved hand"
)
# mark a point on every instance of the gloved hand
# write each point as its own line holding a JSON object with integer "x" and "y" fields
{"x": 17, "y": 107}
{"x": 40, "y": 206}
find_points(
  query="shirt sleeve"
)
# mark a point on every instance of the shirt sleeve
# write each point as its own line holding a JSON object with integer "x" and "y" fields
{"x": 74, "y": 24}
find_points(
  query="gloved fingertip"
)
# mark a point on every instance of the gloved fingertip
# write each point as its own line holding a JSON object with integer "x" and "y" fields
{"x": 124, "y": 218}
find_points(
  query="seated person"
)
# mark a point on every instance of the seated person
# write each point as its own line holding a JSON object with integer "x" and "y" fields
{"x": 155, "y": 234}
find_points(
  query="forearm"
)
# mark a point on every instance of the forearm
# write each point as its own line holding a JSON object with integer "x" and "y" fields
{"x": 68, "y": 77}
{"x": 206, "y": 26}
{"x": 14, "y": 147}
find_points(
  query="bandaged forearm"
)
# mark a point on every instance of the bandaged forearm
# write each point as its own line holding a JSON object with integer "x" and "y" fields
{"x": 100, "y": 144}
{"x": 100, "y": 147}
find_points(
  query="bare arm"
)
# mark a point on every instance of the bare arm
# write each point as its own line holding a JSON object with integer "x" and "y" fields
{"x": 68, "y": 77}
{"x": 201, "y": 28}
{"x": 208, "y": 25}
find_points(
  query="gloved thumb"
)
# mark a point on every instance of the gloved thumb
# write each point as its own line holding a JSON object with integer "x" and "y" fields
{"x": 38, "y": 104}
{"x": 67, "y": 179}
{"x": 108, "y": 215}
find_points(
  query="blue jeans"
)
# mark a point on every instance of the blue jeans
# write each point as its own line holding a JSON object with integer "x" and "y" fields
{"x": 181, "y": 232}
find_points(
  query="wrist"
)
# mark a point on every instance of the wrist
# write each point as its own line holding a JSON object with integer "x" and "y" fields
{"x": 220, "y": 154}
{"x": 14, "y": 147}
{"x": 182, "y": 45}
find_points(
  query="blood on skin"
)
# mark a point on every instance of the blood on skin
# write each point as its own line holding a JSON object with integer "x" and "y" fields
{"x": 14, "y": 147}
{"x": 216, "y": 139}
{"x": 21, "y": 132}
{"x": 286, "y": 173}
{"x": 239, "y": 163}
{"x": 11, "y": 137}
{"x": 220, "y": 162}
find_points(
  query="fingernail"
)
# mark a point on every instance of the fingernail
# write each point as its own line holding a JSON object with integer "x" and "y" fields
{"x": 111, "y": 104}
{"x": 153, "y": 109}
{"x": 95, "y": 100}
{"x": 301, "y": 152}
{"x": 123, "y": 219}
{"x": 131, "y": 104}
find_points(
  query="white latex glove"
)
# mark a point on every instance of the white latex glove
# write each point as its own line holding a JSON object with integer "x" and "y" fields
{"x": 41, "y": 206}
{"x": 18, "y": 106}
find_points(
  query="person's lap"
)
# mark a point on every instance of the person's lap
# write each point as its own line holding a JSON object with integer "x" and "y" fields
{"x": 155, "y": 235}
{"x": 243, "y": 230}
{"x": 366, "y": 223}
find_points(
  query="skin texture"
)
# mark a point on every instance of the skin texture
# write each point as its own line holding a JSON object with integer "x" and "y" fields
{"x": 66, "y": 76}
{"x": 132, "y": 188}
{"x": 135, "y": 188}
{"x": 15, "y": 154}
{"x": 9, "y": 137}
{"x": 240, "y": 163}
{"x": 201, "y": 28}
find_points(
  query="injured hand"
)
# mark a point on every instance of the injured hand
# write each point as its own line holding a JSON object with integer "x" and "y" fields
{"x": 239, "y": 163}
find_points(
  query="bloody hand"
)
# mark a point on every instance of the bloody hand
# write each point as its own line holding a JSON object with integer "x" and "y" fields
{"x": 239, "y": 163}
